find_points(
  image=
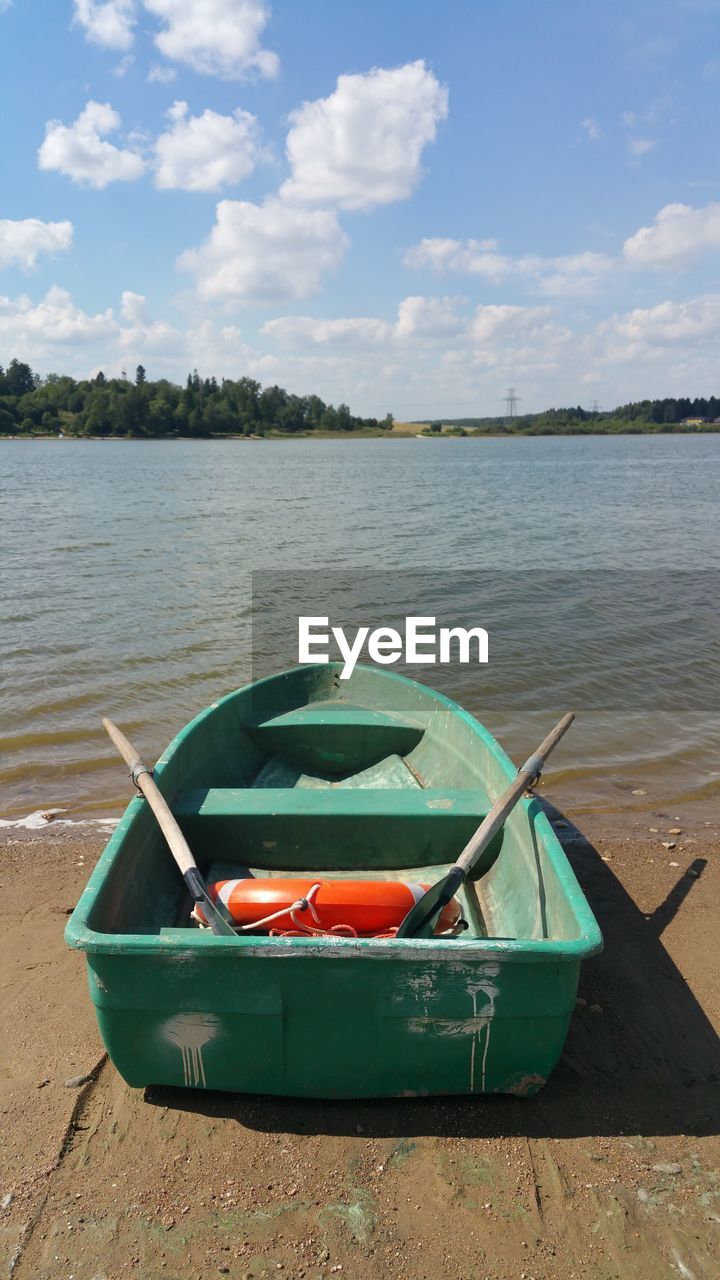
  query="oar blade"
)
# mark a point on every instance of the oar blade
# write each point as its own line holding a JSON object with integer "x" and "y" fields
{"x": 421, "y": 919}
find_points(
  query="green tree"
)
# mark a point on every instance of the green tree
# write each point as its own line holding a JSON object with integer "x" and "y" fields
{"x": 343, "y": 418}
{"x": 20, "y": 379}
{"x": 98, "y": 419}
{"x": 161, "y": 418}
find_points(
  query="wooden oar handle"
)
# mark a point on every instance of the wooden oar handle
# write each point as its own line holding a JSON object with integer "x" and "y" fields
{"x": 179, "y": 848}
{"x": 145, "y": 782}
{"x": 524, "y": 777}
{"x": 135, "y": 763}
{"x": 535, "y": 762}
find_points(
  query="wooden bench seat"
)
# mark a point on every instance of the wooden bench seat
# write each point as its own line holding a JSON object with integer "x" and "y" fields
{"x": 336, "y": 737}
{"x": 310, "y": 826}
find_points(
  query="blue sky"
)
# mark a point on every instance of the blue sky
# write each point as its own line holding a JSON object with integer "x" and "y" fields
{"x": 408, "y": 206}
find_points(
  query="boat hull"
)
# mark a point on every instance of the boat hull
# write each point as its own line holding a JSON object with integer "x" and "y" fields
{"x": 347, "y": 1027}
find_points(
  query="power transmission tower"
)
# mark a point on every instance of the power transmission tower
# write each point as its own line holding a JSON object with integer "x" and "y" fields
{"x": 594, "y": 406}
{"x": 511, "y": 404}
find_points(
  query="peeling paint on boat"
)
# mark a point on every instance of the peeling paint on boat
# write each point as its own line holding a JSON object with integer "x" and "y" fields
{"x": 191, "y": 1032}
{"x": 490, "y": 991}
{"x": 524, "y": 1086}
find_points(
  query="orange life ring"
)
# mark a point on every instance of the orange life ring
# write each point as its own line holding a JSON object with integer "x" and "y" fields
{"x": 356, "y": 908}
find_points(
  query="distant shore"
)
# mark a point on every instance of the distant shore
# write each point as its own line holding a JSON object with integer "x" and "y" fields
{"x": 469, "y": 434}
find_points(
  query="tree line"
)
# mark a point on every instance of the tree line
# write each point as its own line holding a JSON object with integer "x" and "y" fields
{"x": 669, "y": 414}
{"x": 203, "y": 408}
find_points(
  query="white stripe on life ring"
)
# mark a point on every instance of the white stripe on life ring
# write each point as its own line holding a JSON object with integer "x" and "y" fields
{"x": 224, "y": 894}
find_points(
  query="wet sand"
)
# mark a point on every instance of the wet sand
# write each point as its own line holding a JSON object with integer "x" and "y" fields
{"x": 613, "y": 1170}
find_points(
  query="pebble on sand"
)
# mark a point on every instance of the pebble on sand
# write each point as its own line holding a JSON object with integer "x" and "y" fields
{"x": 75, "y": 1081}
{"x": 6, "y": 1201}
{"x": 674, "y": 831}
{"x": 669, "y": 844}
{"x": 596, "y": 1008}
{"x": 639, "y": 792}
{"x": 667, "y": 1168}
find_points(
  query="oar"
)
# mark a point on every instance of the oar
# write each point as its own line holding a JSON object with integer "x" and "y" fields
{"x": 420, "y": 919}
{"x": 179, "y": 848}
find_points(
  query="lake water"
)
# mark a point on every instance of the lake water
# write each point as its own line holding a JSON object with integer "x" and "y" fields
{"x": 125, "y": 587}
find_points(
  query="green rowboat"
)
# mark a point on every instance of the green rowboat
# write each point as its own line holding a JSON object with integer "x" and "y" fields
{"x": 375, "y": 776}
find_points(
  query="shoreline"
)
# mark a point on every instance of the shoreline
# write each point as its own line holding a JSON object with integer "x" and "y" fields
{"x": 642, "y": 816}
{"x": 470, "y": 434}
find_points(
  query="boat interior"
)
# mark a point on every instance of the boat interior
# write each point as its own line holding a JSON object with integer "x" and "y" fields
{"x": 307, "y": 774}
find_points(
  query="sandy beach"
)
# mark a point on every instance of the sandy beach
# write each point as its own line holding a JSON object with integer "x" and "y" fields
{"x": 613, "y": 1170}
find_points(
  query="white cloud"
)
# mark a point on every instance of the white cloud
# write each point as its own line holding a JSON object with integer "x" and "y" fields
{"x": 218, "y": 350}
{"x": 133, "y": 308}
{"x": 21, "y": 241}
{"x": 566, "y": 274}
{"x": 204, "y": 153}
{"x": 592, "y": 129}
{"x": 570, "y": 274}
{"x": 161, "y": 75}
{"x": 678, "y": 235}
{"x": 265, "y": 253}
{"x": 79, "y": 151}
{"x": 143, "y": 336}
{"x": 475, "y": 257}
{"x": 123, "y": 66}
{"x": 362, "y": 146}
{"x": 435, "y": 349}
{"x": 640, "y": 125}
{"x": 36, "y": 328}
{"x": 420, "y": 321}
{"x": 667, "y": 324}
{"x": 493, "y": 322}
{"x": 215, "y": 37}
{"x": 640, "y": 146}
{"x": 359, "y": 332}
{"x": 421, "y": 317}
{"x": 107, "y": 22}
{"x": 56, "y": 335}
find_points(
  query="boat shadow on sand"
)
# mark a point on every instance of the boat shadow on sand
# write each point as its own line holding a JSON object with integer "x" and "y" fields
{"x": 647, "y": 1064}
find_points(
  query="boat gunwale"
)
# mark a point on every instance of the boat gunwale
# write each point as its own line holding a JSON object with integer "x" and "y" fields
{"x": 81, "y": 936}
